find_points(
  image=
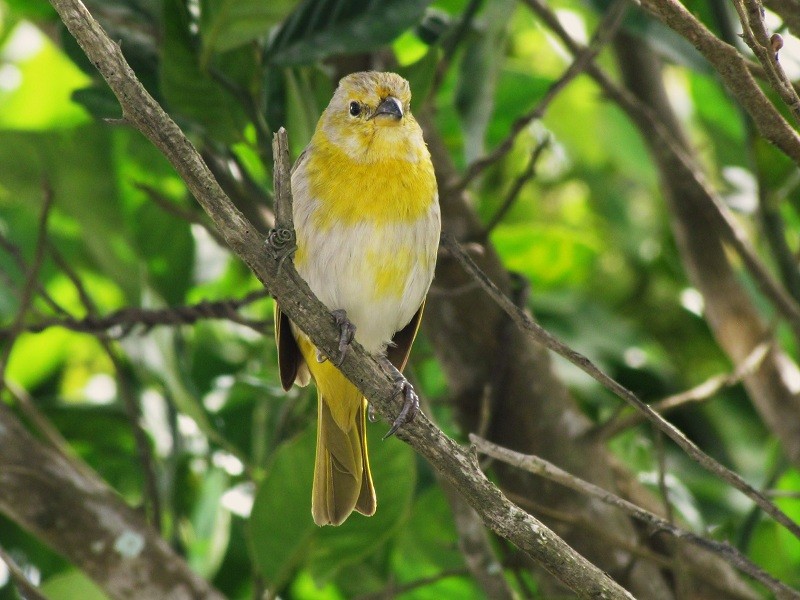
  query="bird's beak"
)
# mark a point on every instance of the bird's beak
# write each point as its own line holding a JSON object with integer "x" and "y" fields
{"x": 391, "y": 107}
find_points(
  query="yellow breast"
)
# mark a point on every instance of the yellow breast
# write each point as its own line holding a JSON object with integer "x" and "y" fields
{"x": 393, "y": 188}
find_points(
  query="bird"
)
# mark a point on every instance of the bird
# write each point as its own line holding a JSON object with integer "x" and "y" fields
{"x": 367, "y": 224}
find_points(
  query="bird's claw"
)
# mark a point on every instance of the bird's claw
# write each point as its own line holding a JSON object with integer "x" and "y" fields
{"x": 347, "y": 332}
{"x": 281, "y": 244}
{"x": 410, "y": 404}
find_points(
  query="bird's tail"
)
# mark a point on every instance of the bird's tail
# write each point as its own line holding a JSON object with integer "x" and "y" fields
{"x": 342, "y": 479}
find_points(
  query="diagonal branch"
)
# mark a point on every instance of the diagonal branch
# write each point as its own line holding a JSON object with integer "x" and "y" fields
{"x": 296, "y": 300}
{"x": 733, "y": 69}
{"x": 544, "y": 337}
{"x": 124, "y": 321}
{"x": 604, "y": 32}
{"x": 539, "y": 466}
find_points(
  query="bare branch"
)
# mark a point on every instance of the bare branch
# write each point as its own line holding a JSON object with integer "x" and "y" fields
{"x": 78, "y": 515}
{"x": 539, "y": 334}
{"x": 27, "y": 590}
{"x": 125, "y": 321}
{"x": 766, "y": 47}
{"x": 733, "y": 69}
{"x": 312, "y": 317}
{"x": 539, "y": 466}
{"x": 604, "y": 32}
{"x": 698, "y": 393}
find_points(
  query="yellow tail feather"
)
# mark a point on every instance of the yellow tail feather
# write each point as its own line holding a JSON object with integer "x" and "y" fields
{"x": 342, "y": 478}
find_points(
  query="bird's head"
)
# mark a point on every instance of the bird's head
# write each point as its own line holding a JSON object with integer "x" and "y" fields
{"x": 369, "y": 117}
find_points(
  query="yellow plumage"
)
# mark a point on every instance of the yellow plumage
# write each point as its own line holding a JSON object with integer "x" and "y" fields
{"x": 367, "y": 220}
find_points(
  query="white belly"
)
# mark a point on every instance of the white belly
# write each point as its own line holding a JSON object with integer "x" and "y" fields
{"x": 378, "y": 274}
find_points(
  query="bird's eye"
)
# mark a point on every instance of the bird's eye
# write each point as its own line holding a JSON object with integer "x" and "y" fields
{"x": 355, "y": 108}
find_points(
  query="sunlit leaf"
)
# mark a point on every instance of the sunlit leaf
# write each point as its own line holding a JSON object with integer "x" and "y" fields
{"x": 281, "y": 527}
{"x": 227, "y": 24}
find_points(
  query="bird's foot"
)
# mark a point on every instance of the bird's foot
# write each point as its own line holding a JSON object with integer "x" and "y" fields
{"x": 347, "y": 332}
{"x": 281, "y": 244}
{"x": 410, "y": 403}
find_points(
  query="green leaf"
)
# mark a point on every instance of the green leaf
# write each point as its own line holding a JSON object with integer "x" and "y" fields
{"x": 321, "y": 28}
{"x": 420, "y": 75}
{"x": 547, "y": 255}
{"x": 281, "y": 527}
{"x": 166, "y": 243}
{"x": 478, "y": 76}
{"x": 304, "y": 104}
{"x": 228, "y": 24}
{"x": 47, "y": 79}
{"x": 210, "y": 525}
{"x": 191, "y": 92}
{"x": 70, "y": 585}
{"x": 426, "y": 547}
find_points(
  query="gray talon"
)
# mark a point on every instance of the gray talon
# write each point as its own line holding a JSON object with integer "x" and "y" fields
{"x": 410, "y": 405}
{"x": 347, "y": 332}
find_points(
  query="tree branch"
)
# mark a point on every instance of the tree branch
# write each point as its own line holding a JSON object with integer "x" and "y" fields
{"x": 541, "y": 467}
{"x": 732, "y": 67}
{"x": 79, "y": 516}
{"x": 538, "y": 333}
{"x": 296, "y": 300}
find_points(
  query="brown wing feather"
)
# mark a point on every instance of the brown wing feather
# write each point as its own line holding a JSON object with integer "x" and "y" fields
{"x": 398, "y": 352}
{"x": 289, "y": 356}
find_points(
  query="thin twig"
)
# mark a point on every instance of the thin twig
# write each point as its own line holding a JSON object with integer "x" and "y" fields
{"x": 545, "y": 338}
{"x": 31, "y": 281}
{"x": 714, "y": 206}
{"x": 539, "y": 466}
{"x": 604, "y": 32}
{"x": 731, "y": 66}
{"x": 516, "y": 187}
{"x": 698, "y": 393}
{"x": 27, "y": 590}
{"x": 124, "y": 321}
{"x": 312, "y": 317}
{"x": 754, "y": 33}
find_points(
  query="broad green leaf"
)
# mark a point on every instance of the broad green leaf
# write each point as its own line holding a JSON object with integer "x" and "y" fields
{"x": 70, "y": 585}
{"x": 281, "y": 527}
{"x": 426, "y": 547}
{"x": 190, "y": 92}
{"x": 37, "y": 357}
{"x": 321, "y": 28}
{"x": 166, "y": 244}
{"x": 547, "y": 255}
{"x": 227, "y": 24}
{"x": 420, "y": 76}
{"x": 284, "y": 536}
{"x": 37, "y": 10}
{"x": 478, "y": 75}
{"x": 46, "y": 79}
{"x": 301, "y": 114}
{"x": 209, "y": 530}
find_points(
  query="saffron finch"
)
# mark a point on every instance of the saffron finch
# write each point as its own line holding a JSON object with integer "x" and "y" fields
{"x": 367, "y": 220}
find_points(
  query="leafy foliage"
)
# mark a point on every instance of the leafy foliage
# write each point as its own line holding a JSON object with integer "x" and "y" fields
{"x": 234, "y": 454}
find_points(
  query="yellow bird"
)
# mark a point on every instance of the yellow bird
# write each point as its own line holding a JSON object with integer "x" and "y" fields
{"x": 366, "y": 214}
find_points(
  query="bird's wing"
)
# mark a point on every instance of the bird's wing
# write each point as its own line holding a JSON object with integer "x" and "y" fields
{"x": 400, "y": 347}
{"x": 290, "y": 360}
